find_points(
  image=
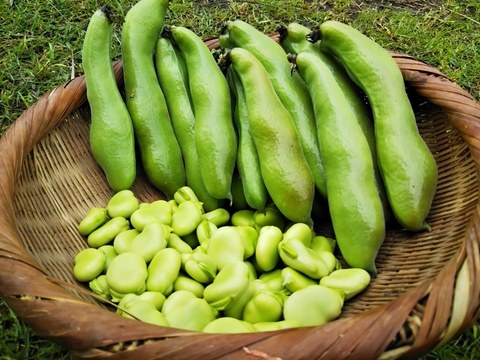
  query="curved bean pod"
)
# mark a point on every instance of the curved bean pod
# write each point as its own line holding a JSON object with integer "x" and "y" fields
{"x": 355, "y": 205}
{"x": 285, "y": 170}
{"x": 111, "y": 132}
{"x": 215, "y": 137}
{"x": 408, "y": 167}
{"x": 159, "y": 150}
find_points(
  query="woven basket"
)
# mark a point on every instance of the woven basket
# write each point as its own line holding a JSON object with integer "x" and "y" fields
{"x": 427, "y": 290}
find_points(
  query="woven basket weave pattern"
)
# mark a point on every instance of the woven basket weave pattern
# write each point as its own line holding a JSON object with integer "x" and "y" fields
{"x": 426, "y": 291}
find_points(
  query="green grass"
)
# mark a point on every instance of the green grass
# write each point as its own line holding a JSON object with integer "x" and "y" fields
{"x": 40, "y": 48}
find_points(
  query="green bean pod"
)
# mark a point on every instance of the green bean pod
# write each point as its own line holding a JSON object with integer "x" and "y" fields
{"x": 285, "y": 170}
{"x": 238, "y": 196}
{"x": 158, "y": 147}
{"x": 355, "y": 205}
{"x": 294, "y": 39}
{"x": 172, "y": 78}
{"x": 408, "y": 167}
{"x": 215, "y": 137}
{"x": 111, "y": 132}
{"x": 290, "y": 89}
{"x": 248, "y": 164}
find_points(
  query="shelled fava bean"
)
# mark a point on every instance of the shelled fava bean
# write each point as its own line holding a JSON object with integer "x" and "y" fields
{"x": 171, "y": 263}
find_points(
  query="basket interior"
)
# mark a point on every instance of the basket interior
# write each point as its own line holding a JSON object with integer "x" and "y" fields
{"x": 60, "y": 181}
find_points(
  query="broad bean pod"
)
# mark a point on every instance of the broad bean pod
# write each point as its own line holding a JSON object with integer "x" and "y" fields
{"x": 285, "y": 170}
{"x": 354, "y": 202}
{"x": 290, "y": 89}
{"x": 158, "y": 147}
{"x": 408, "y": 168}
{"x": 248, "y": 164}
{"x": 215, "y": 137}
{"x": 173, "y": 79}
{"x": 111, "y": 132}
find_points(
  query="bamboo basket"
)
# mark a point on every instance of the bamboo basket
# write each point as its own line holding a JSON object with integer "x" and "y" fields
{"x": 426, "y": 293}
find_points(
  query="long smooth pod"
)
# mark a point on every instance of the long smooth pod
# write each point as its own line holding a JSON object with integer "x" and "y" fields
{"x": 172, "y": 77}
{"x": 215, "y": 137}
{"x": 158, "y": 147}
{"x": 285, "y": 170}
{"x": 294, "y": 38}
{"x": 248, "y": 164}
{"x": 111, "y": 132}
{"x": 409, "y": 170}
{"x": 290, "y": 89}
{"x": 354, "y": 202}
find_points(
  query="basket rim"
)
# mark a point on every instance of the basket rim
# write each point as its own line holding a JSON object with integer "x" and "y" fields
{"x": 445, "y": 315}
